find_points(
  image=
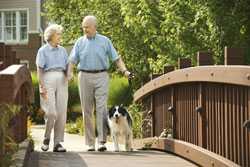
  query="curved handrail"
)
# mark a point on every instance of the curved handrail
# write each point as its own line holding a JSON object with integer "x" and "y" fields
{"x": 11, "y": 81}
{"x": 231, "y": 74}
{"x": 189, "y": 151}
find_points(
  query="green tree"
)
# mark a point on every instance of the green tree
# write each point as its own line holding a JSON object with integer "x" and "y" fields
{"x": 150, "y": 34}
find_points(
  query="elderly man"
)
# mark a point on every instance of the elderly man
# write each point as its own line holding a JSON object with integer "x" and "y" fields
{"x": 92, "y": 53}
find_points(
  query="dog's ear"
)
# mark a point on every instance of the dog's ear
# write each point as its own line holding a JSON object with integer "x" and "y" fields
{"x": 111, "y": 111}
{"x": 123, "y": 111}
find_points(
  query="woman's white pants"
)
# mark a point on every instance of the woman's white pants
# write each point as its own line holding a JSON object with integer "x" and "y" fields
{"x": 55, "y": 106}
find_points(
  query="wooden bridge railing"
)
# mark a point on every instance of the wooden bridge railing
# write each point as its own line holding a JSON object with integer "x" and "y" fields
{"x": 206, "y": 108}
{"x": 15, "y": 88}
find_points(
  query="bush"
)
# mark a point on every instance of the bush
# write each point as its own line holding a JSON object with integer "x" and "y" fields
{"x": 75, "y": 128}
{"x": 120, "y": 91}
{"x": 74, "y": 98}
{"x": 36, "y": 113}
{"x": 136, "y": 114}
{"x": 7, "y": 145}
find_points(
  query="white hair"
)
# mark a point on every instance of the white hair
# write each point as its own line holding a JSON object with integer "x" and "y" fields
{"x": 90, "y": 18}
{"x": 51, "y": 30}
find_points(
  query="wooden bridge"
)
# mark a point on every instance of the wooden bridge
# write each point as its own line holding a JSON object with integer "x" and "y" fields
{"x": 206, "y": 108}
{"x": 204, "y": 111}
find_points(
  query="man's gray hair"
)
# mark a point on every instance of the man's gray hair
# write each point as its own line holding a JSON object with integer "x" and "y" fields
{"x": 90, "y": 18}
{"x": 51, "y": 30}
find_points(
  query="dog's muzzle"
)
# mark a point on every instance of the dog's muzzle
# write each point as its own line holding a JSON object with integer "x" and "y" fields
{"x": 116, "y": 118}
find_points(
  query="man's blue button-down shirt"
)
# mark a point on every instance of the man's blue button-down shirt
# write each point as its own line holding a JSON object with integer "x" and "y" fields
{"x": 93, "y": 53}
{"x": 49, "y": 57}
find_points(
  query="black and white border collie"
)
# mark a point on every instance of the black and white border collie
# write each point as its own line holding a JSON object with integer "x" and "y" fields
{"x": 120, "y": 124}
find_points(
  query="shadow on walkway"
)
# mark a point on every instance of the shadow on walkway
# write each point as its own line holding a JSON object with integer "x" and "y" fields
{"x": 51, "y": 159}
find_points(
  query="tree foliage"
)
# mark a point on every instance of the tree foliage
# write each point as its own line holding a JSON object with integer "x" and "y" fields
{"x": 150, "y": 34}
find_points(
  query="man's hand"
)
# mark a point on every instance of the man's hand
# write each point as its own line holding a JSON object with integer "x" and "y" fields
{"x": 127, "y": 73}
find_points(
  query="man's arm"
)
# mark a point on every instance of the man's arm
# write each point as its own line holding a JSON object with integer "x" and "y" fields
{"x": 121, "y": 66}
{"x": 118, "y": 60}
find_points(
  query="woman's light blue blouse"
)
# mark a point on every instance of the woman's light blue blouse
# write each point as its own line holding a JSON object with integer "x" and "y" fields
{"x": 49, "y": 58}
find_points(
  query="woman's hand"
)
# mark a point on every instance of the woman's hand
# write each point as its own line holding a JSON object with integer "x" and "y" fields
{"x": 69, "y": 76}
{"x": 43, "y": 92}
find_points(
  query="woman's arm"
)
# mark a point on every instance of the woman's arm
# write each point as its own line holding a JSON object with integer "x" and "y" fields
{"x": 69, "y": 71}
{"x": 40, "y": 77}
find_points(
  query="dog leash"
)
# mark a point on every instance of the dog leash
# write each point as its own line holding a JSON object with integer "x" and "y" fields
{"x": 130, "y": 77}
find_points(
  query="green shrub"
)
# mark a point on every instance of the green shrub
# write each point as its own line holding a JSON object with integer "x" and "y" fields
{"x": 74, "y": 98}
{"x": 74, "y": 105}
{"x": 136, "y": 114}
{"x": 119, "y": 91}
{"x": 7, "y": 145}
{"x": 36, "y": 114}
{"x": 75, "y": 127}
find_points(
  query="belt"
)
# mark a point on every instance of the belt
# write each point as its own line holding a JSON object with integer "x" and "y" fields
{"x": 93, "y": 71}
{"x": 55, "y": 70}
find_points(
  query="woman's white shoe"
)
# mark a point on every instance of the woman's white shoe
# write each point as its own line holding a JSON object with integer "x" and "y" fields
{"x": 45, "y": 146}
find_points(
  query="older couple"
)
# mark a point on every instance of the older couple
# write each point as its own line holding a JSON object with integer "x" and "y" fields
{"x": 91, "y": 53}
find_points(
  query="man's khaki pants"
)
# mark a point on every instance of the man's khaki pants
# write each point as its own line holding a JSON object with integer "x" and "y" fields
{"x": 55, "y": 106}
{"x": 93, "y": 88}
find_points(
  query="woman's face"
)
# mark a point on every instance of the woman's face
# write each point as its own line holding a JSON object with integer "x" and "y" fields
{"x": 56, "y": 38}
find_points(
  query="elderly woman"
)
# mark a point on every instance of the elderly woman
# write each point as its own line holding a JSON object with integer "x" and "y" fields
{"x": 52, "y": 62}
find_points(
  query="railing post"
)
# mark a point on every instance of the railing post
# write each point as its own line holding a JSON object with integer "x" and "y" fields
{"x": 13, "y": 58}
{"x": 168, "y": 69}
{"x": 9, "y": 55}
{"x": 184, "y": 63}
{"x": 233, "y": 56}
{"x": 202, "y": 138}
{"x": 2, "y": 139}
{"x": 153, "y": 115}
{"x": 204, "y": 58}
{"x": 153, "y": 76}
{"x": 2, "y": 56}
{"x": 173, "y": 111}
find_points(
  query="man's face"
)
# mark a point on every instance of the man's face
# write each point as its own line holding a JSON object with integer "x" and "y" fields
{"x": 89, "y": 28}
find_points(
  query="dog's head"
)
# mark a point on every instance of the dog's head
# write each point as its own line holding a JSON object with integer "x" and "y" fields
{"x": 117, "y": 113}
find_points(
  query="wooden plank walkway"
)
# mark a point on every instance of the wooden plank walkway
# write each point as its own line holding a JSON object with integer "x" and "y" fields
{"x": 78, "y": 157}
